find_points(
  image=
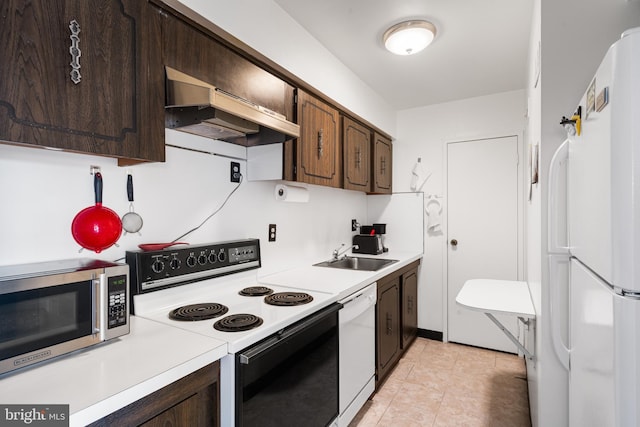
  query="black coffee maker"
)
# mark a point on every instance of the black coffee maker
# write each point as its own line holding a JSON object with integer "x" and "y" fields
{"x": 369, "y": 240}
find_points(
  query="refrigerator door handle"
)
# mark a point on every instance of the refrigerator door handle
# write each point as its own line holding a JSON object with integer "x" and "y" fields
{"x": 560, "y": 348}
{"x": 553, "y": 239}
{"x": 557, "y": 254}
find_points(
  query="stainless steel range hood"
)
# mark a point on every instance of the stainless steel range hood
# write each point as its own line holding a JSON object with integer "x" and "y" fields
{"x": 199, "y": 108}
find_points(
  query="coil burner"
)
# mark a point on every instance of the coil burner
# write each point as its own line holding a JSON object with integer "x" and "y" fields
{"x": 256, "y": 291}
{"x": 237, "y": 323}
{"x": 195, "y": 312}
{"x": 288, "y": 298}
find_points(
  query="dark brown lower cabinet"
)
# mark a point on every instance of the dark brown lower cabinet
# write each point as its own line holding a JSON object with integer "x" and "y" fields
{"x": 396, "y": 317}
{"x": 190, "y": 401}
{"x": 387, "y": 331}
{"x": 409, "y": 307}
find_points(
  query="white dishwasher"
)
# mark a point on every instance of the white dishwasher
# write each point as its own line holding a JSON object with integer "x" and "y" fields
{"x": 357, "y": 339}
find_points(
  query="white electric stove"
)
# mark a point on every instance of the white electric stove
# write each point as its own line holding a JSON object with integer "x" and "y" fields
{"x": 212, "y": 296}
{"x": 206, "y": 289}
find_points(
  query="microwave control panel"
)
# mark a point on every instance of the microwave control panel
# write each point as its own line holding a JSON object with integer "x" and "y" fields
{"x": 117, "y": 301}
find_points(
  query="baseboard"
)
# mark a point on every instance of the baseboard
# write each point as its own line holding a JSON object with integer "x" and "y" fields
{"x": 432, "y": 335}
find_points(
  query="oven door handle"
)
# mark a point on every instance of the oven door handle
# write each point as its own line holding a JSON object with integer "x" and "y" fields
{"x": 254, "y": 352}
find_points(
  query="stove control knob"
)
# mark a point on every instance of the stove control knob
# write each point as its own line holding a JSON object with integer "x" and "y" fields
{"x": 174, "y": 263}
{"x": 191, "y": 261}
{"x": 221, "y": 255}
{"x": 212, "y": 257}
{"x": 157, "y": 266}
{"x": 202, "y": 258}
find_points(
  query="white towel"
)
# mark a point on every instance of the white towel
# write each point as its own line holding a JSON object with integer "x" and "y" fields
{"x": 433, "y": 209}
{"x": 418, "y": 176}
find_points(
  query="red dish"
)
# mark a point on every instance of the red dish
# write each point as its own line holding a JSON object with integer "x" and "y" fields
{"x": 148, "y": 247}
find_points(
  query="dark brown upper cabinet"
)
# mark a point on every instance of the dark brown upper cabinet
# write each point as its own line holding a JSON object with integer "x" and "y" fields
{"x": 83, "y": 76}
{"x": 194, "y": 51}
{"x": 317, "y": 154}
{"x": 382, "y": 160}
{"x": 356, "y": 140}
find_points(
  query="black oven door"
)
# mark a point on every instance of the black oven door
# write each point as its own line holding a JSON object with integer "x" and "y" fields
{"x": 35, "y": 320}
{"x": 291, "y": 378}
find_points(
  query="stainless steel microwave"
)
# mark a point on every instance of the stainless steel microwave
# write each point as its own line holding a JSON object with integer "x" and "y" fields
{"x": 52, "y": 308}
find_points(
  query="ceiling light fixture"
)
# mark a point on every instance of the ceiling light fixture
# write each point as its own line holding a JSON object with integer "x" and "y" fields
{"x": 409, "y": 37}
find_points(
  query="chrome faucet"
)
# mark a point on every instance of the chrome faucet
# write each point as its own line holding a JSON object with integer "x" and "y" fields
{"x": 337, "y": 252}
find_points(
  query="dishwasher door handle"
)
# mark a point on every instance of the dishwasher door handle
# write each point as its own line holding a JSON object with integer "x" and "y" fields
{"x": 355, "y": 307}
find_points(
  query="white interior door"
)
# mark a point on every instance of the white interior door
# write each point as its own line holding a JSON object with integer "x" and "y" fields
{"x": 482, "y": 224}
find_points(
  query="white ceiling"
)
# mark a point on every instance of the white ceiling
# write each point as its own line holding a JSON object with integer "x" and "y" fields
{"x": 480, "y": 47}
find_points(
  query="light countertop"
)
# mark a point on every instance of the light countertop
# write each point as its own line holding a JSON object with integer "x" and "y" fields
{"x": 338, "y": 281}
{"x": 99, "y": 380}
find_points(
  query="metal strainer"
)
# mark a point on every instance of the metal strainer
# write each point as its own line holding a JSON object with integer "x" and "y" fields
{"x": 131, "y": 221}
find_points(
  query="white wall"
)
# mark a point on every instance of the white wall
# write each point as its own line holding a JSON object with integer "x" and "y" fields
{"x": 423, "y": 132}
{"x": 574, "y": 38}
{"x": 533, "y": 222}
{"x": 41, "y": 192}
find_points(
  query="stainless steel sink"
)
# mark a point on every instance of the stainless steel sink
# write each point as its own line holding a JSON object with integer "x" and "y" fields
{"x": 357, "y": 263}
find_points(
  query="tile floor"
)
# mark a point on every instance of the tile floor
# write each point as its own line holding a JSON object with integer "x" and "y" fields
{"x": 443, "y": 384}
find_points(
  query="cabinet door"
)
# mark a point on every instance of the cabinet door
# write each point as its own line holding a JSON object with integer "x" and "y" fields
{"x": 190, "y": 401}
{"x": 318, "y": 151}
{"x": 356, "y": 140}
{"x": 388, "y": 311}
{"x": 409, "y": 307}
{"x": 382, "y": 161}
{"x": 102, "y": 105}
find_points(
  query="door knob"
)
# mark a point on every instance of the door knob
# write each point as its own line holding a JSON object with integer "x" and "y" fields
{"x": 454, "y": 242}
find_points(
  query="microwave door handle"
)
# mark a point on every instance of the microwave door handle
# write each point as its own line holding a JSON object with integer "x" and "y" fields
{"x": 95, "y": 305}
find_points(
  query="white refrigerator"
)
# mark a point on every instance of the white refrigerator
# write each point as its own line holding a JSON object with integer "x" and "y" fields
{"x": 594, "y": 244}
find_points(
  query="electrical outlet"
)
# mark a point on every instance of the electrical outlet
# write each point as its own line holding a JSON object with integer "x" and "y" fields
{"x": 235, "y": 172}
{"x": 354, "y": 225}
{"x": 272, "y": 232}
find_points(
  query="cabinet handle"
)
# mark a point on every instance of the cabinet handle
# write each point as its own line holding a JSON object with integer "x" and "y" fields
{"x": 320, "y": 142}
{"x": 358, "y": 158}
{"x": 75, "y": 51}
{"x": 383, "y": 166}
{"x": 389, "y": 321}
{"x": 410, "y": 304}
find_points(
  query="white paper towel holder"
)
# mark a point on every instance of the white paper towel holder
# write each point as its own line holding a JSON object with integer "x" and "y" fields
{"x": 290, "y": 193}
